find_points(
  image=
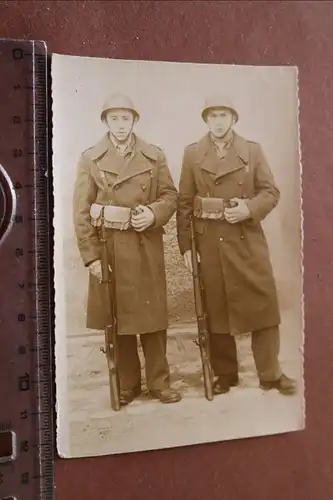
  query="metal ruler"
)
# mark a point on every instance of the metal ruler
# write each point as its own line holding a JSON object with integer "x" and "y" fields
{"x": 26, "y": 366}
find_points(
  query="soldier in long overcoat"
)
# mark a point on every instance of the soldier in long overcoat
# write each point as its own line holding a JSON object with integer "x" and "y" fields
{"x": 227, "y": 185}
{"x": 125, "y": 173}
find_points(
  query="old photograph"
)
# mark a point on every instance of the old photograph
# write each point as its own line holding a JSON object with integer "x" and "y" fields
{"x": 177, "y": 253}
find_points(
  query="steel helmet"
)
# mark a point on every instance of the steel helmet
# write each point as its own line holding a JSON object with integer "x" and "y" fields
{"x": 218, "y": 101}
{"x": 119, "y": 101}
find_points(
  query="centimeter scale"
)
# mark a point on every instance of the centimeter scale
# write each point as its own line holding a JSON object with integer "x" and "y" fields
{"x": 26, "y": 366}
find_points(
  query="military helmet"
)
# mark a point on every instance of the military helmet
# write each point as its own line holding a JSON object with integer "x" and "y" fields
{"x": 118, "y": 101}
{"x": 218, "y": 101}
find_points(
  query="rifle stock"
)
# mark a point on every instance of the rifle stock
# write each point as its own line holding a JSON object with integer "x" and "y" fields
{"x": 110, "y": 330}
{"x": 203, "y": 330}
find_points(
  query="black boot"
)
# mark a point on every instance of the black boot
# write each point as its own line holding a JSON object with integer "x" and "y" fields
{"x": 166, "y": 395}
{"x": 128, "y": 395}
{"x": 284, "y": 385}
{"x": 223, "y": 383}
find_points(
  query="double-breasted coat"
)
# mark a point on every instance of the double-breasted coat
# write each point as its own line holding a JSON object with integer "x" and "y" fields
{"x": 142, "y": 177}
{"x": 239, "y": 285}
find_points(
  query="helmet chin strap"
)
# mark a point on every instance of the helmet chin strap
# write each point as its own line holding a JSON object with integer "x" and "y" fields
{"x": 123, "y": 141}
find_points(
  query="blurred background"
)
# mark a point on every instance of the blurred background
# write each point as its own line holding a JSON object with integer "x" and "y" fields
{"x": 170, "y": 97}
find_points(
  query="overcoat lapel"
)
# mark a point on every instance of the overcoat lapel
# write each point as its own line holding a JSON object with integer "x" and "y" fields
{"x": 106, "y": 157}
{"x": 139, "y": 162}
{"x": 207, "y": 158}
{"x": 236, "y": 158}
{"x": 112, "y": 162}
{"x": 230, "y": 163}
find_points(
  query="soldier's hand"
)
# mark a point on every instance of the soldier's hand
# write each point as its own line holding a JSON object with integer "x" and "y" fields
{"x": 188, "y": 260}
{"x": 144, "y": 219}
{"x": 95, "y": 269}
{"x": 238, "y": 213}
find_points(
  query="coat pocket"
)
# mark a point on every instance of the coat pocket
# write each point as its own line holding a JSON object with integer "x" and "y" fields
{"x": 208, "y": 208}
{"x": 112, "y": 217}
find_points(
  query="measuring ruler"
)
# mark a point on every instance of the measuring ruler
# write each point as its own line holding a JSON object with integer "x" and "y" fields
{"x": 26, "y": 363}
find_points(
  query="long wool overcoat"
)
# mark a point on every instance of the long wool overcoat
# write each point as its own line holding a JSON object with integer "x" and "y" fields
{"x": 239, "y": 286}
{"x": 143, "y": 177}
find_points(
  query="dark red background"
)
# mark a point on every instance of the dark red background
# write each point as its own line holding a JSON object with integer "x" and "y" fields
{"x": 297, "y": 466}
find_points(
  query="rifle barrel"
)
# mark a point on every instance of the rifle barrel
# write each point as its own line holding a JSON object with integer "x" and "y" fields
{"x": 110, "y": 330}
{"x": 203, "y": 331}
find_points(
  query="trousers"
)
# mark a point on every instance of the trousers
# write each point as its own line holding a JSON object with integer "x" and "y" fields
{"x": 154, "y": 347}
{"x": 265, "y": 346}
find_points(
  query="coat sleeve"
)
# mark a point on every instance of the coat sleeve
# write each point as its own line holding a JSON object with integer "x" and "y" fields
{"x": 166, "y": 194}
{"x": 85, "y": 191}
{"x": 267, "y": 194}
{"x": 187, "y": 192}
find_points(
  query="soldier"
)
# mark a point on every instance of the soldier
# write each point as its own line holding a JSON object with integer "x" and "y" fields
{"x": 124, "y": 172}
{"x": 226, "y": 183}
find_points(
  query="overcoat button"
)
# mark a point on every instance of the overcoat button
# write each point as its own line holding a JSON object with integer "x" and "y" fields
{"x": 221, "y": 239}
{"x": 240, "y": 183}
{"x": 242, "y": 236}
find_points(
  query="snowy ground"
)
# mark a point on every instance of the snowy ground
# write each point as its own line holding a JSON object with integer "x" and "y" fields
{"x": 147, "y": 424}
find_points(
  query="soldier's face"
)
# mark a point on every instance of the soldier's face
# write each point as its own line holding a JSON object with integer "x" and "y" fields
{"x": 219, "y": 121}
{"x": 120, "y": 123}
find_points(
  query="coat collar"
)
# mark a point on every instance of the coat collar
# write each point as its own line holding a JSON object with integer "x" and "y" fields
{"x": 146, "y": 149}
{"x": 97, "y": 151}
{"x": 108, "y": 160}
{"x": 237, "y": 157}
{"x": 105, "y": 144}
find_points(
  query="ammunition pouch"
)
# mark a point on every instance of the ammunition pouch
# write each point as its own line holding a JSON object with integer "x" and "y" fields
{"x": 114, "y": 217}
{"x": 209, "y": 208}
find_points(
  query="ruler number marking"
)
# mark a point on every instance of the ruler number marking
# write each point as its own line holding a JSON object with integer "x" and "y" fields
{"x": 19, "y": 219}
{"x": 25, "y": 446}
{"x": 19, "y": 252}
{"x": 25, "y": 478}
{"x": 17, "y": 120}
{"x": 17, "y": 153}
{"x": 24, "y": 415}
{"x": 24, "y": 382}
{"x": 22, "y": 349}
{"x": 18, "y": 54}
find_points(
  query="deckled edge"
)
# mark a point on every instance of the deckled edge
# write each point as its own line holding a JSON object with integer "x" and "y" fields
{"x": 60, "y": 348}
{"x": 302, "y": 346}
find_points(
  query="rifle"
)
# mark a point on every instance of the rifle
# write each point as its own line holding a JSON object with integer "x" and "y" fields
{"x": 110, "y": 329}
{"x": 203, "y": 330}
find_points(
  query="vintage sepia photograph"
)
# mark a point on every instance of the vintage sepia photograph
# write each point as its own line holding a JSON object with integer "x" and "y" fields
{"x": 177, "y": 254}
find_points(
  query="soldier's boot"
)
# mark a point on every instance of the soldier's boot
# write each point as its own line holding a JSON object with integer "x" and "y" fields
{"x": 166, "y": 395}
{"x": 157, "y": 367}
{"x": 266, "y": 347}
{"x": 224, "y": 362}
{"x": 128, "y": 395}
{"x": 223, "y": 383}
{"x": 285, "y": 385}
